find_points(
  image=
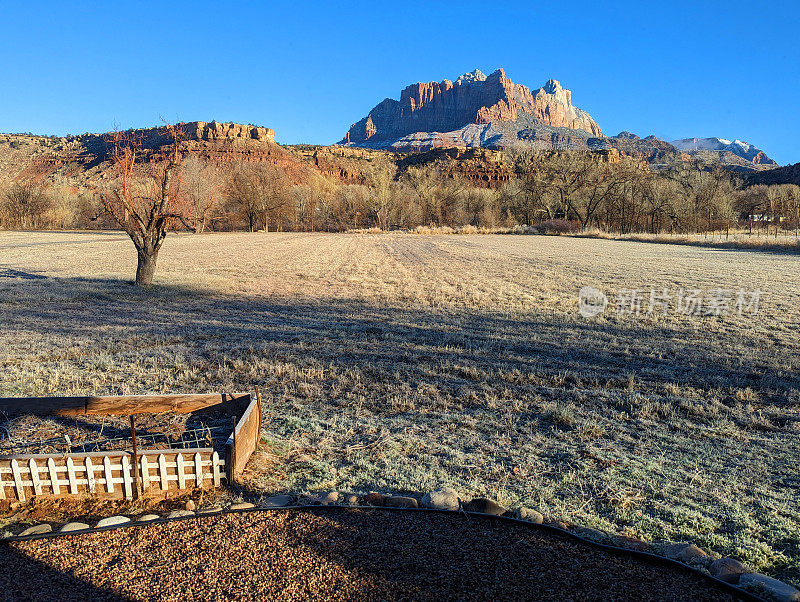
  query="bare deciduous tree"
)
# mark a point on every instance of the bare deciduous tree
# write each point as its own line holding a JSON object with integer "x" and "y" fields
{"x": 23, "y": 205}
{"x": 201, "y": 186}
{"x": 141, "y": 200}
{"x": 257, "y": 193}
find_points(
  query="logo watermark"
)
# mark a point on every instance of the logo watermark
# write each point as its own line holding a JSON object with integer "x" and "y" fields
{"x": 592, "y": 302}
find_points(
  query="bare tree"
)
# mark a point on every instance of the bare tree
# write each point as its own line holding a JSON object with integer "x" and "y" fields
{"x": 202, "y": 183}
{"x": 141, "y": 200}
{"x": 23, "y": 205}
{"x": 436, "y": 193}
{"x": 257, "y": 193}
{"x": 379, "y": 176}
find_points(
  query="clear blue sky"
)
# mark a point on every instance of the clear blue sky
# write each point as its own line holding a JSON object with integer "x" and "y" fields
{"x": 309, "y": 70}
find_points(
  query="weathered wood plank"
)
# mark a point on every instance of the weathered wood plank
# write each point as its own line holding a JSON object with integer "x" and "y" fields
{"x": 181, "y": 472}
{"x": 127, "y": 481}
{"x": 18, "y": 480}
{"x": 198, "y": 469}
{"x": 244, "y": 440}
{"x": 122, "y": 405}
{"x": 73, "y": 485}
{"x": 145, "y": 473}
{"x": 55, "y": 484}
{"x": 89, "y": 474}
{"x": 109, "y": 477}
{"x": 35, "y": 482}
{"x": 215, "y": 469}
{"x": 162, "y": 472}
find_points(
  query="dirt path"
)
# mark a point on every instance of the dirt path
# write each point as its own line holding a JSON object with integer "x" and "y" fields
{"x": 333, "y": 554}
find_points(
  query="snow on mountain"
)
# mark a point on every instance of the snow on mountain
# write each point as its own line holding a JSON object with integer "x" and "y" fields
{"x": 739, "y": 148}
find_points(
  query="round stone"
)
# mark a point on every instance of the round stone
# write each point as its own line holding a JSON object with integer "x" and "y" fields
{"x": 399, "y": 501}
{"x": 441, "y": 499}
{"x": 74, "y": 527}
{"x": 485, "y": 506}
{"x": 778, "y": 590}
{"x": 278, "y": 501}
{"x": 36, "y": 530}
{"x": 374, "y": 499}
{"x": 112, "y": 521}
{"x": 727, "y": 569}
{"x": 529, "y": 514}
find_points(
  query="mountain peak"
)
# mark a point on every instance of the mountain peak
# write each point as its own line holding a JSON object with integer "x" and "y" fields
{"x": 745, "y": 150}
{"x": 473, "y": 76}
{"x": 444, "y": 109}
{"x": 553, "y": 86}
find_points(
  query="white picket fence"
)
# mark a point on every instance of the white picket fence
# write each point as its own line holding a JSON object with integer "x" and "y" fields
{"x": 109, "y": 474}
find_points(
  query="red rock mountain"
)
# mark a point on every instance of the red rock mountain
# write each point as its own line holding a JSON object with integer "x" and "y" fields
{"x": 475, "y": 110}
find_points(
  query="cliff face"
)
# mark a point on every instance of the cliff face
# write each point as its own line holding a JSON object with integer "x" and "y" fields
{"x": 446, "y": 107}
{"x": 200, "y": 130}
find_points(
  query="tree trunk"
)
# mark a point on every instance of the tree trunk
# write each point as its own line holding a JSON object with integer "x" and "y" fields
{"x": 146, "y": 267}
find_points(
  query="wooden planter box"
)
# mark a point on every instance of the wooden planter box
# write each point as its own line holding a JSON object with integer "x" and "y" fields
{"x": 125, "y": 474}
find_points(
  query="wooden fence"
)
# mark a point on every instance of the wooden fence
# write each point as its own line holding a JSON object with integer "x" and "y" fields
{"x": 122, "y": 474}
{"x": 109, "y": 474}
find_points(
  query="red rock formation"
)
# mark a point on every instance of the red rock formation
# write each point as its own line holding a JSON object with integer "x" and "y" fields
{"x": 473, "y": 99}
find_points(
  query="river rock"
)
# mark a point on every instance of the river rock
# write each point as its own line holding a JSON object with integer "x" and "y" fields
{"x": 529, "y": 515}
{"x": 727, "y": 569}
{"x": 399, "y": 501}
{"x": 36, "y": 530}
{"x": 112, "y": 520}
{"x": 484, "y": 506}
{"x": 778, "y": 590}
{"x": 74, "y": 527}
{"x": 441, "y": 499}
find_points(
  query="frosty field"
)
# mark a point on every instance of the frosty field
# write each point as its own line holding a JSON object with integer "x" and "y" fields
{"x": 406, "y": 362}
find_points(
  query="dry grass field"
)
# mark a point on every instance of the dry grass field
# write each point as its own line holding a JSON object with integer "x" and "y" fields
{"x": 401, "y": 362}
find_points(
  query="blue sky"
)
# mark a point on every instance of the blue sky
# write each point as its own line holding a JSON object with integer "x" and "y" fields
{"x": 309, "y": 70}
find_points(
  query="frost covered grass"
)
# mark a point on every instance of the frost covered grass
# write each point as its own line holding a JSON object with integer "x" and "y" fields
{"x": 784, "y": 241}
{"x": 409, "y": 362}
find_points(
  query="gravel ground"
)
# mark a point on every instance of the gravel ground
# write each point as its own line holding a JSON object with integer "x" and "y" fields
{"x": 342, "y": 554}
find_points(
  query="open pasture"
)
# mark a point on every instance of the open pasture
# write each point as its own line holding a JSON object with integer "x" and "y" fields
{"x": 404, "y": 363}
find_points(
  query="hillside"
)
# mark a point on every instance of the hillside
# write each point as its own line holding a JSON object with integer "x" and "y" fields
{"x": 789, "y": 174}
{"x": 83, "y": 160}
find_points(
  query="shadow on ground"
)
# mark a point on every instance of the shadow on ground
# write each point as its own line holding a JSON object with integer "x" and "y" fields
{"x": 24, "y": 578}
{"x": 339, "y": 554}
{"x": 113, "y": 317}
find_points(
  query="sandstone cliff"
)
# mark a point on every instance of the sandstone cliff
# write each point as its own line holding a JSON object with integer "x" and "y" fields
{"x": 435, "y": 114}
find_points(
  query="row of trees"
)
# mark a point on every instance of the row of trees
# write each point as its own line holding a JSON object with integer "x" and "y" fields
{"x": 625, "y": 196}
{"x": 581, "y": 188}
{"x": 171, "y": 191}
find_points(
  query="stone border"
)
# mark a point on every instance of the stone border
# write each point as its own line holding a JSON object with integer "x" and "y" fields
{"x": 726, "y": 573}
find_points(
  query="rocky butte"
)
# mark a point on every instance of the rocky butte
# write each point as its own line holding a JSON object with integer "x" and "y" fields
{"x": 475, "y": 110}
